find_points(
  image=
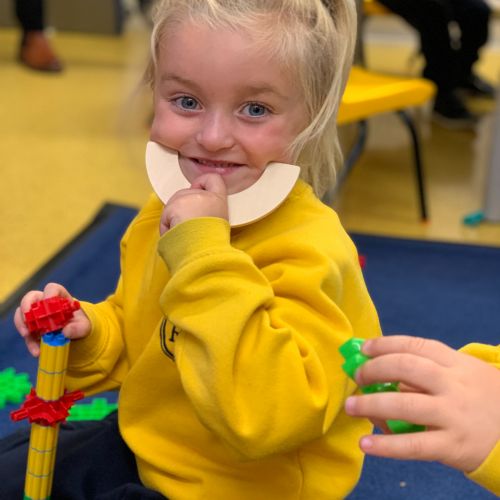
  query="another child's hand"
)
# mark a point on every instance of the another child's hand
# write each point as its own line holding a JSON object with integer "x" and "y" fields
{"x": 207, "y": 197}
{"x": 78, "y": 327}
{"x": 455, "y": 395}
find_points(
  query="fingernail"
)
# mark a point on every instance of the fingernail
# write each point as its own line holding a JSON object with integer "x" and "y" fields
{"x": 367, "y": 344}
{"x": 350, "y": 405}
{"x": 366, "y": 443}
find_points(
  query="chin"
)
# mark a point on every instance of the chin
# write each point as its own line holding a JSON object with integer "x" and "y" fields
{"x": 240, "y": 186}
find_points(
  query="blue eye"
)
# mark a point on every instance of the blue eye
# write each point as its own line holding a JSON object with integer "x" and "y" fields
{"x": 186, "y": 102}
{"x": 255, "y": 109}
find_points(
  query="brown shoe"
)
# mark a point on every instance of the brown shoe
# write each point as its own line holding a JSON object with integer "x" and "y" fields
{"x": 36, "y": 53}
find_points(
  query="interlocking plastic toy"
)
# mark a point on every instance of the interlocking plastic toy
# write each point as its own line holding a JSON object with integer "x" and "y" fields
{"x": 354, "y": 358}
{"x": 13, "y": 386}
{"x": 48, "y": 405}
{"x": 50, "y": 315}
{"x": 95, "y": 410}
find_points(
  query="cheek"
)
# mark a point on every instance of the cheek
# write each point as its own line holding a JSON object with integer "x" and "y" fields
{"x": 166, "y": 130}
{"x": 155, "y": 131}
{"x": 285, "y": 157}
{"x": 273, "y": 144}
{"x": 285, "y": 134}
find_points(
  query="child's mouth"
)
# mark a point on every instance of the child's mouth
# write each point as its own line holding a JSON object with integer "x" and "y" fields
{"x": 216, "y": 166}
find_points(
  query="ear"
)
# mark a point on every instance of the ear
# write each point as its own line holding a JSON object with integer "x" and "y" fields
{"x": 245, "y": 207}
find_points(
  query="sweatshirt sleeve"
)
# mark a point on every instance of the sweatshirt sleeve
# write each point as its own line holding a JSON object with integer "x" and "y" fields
{"x": 488, "y": 473}
{"x": 257, "y": 349}
{"x": 97, "y": 362}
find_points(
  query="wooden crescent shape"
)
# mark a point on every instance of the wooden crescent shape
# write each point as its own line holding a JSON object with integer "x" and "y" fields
{"x": 247, "y": 206}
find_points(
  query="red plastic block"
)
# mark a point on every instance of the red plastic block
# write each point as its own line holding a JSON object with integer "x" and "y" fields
{"x": 46, "y": 412}
{"x": 49, "y": 315}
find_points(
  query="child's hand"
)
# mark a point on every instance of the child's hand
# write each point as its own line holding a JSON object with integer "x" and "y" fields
{"x": 454, "y": 394}
{"x": 206, "y": 197}
{"x": 78, "y": 327}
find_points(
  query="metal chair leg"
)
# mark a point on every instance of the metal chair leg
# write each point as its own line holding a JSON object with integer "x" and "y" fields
{"x": 349, "y": 162}
{"x": 418, "y": 162}
{"x": 357, "y": 149}
{"x": 354, "y": 153}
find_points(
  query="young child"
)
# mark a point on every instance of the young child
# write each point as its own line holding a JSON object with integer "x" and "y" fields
{"x": 224, "y": 341}
{"x": 453, "y": 393}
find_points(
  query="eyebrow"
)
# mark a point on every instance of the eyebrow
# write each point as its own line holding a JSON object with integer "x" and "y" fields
{"x": 179, "y": 79}
{"x": 265, "y": 89}
{"x": 254, "y": 89}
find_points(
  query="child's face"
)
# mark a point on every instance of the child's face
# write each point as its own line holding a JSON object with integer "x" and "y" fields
{"x": 223, "y": 106}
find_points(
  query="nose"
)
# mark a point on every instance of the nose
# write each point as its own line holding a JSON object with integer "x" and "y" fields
{"x": 215, "y": 132}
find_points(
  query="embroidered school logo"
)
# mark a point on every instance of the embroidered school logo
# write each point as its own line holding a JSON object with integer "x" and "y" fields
{"x": 168, "y": 334}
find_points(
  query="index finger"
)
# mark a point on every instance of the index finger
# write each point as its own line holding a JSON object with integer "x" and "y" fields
{"x": 210, "y": 182}
{"x": 417, "y": 372}
{"x": 426, "y": 348}
{"x": 55, "y": 290}
{"x": 29, "y": 299}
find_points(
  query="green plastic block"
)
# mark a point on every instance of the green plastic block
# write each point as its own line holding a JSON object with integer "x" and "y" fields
{"x": 97, "y": 409}
{"x": 401, "y": 426}
{"x": 354, "y": 358}
{"x": 382, "y": 387}
{"x": 13, "y": 386}
{"x": 351, "y": 347}
{"x": 352, "y": 364}
{"x": 351, "y": 352}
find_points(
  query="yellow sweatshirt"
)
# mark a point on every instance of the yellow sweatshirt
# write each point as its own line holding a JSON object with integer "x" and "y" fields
{"x": 224, "y": 344}
{"x": 488, "y": 473}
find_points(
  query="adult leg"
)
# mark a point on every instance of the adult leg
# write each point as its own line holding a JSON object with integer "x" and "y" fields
{"x": 30, "y": 14}
{"x": 473, "y": 17}
{"x": 431, "y": 18}
{"x": 35, "y": 50}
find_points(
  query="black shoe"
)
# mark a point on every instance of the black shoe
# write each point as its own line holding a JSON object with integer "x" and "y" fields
{"x": 450, "y": 112}
{"x": 476, "y": 86}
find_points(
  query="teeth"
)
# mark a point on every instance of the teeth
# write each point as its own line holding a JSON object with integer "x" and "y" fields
{"x": 216, "y": 164}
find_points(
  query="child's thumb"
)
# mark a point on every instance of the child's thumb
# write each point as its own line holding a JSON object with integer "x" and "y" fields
{"x": 210, "y": 182}
{"x": 75, "y": 330}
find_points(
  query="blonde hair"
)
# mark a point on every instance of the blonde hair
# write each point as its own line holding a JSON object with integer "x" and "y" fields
{"x": 314, "y": 39}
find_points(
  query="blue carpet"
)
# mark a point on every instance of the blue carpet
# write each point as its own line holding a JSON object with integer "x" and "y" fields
{"x": 88, "y": 267}
{"x": 438, "y": 290}
{"x": 444, "y": 291}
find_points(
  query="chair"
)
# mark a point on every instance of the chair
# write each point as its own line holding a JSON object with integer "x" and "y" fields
{"x": 368, "y": 94}
{"x": 373, "y": 8}
{"x": 366, "y": 9}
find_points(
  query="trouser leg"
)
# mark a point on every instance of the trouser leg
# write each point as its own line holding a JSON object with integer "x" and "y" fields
{"x": 473, "y": 17}
{"x": 92, "y": 462}
{"x": 30, "y": 14}
{"x": 431, "y": 19}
